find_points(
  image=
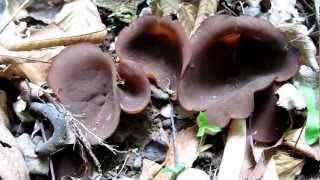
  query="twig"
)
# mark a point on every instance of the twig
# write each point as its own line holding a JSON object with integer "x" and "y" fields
{"x": 123, "y": 165}
{"x": 53, "y": 177}
{"x": 23, "y": 5}
{"x": 174, "y": 132}
{"x": 300, "y": 133}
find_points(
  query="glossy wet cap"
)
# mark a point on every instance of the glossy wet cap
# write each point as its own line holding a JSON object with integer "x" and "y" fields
{"x": 160, "y": 45}
{"x": 232, "y": 58}
{"x": 84, "y": 80}
{"x": 135, "y": 91}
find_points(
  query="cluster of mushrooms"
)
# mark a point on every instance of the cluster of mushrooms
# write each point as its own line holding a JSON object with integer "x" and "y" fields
{"x": 229, "y": 69}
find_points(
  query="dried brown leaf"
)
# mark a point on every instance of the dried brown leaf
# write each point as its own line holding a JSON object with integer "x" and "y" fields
{"x": 287, "y": 166}
{"x": 298, "y": 37}
{"x": 79, "y": 21}
{"x": 186, "y": 146}
{"x": 169, "y": 7}
{"x": 187, "y": 15}
{"x": 149, "y": 169}
{"x": 206, "y": 8}
{"x": 12, "y": 163}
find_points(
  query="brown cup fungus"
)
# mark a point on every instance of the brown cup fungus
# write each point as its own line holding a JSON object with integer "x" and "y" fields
{"x": 134, "y": 92}
{"x": 232, "y": 58}
{"x": 160, "y": 45}
{"x": 84, "y": 80}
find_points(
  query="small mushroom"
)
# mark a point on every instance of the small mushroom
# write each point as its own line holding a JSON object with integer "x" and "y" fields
{"x": 232, "y": 58}
{"x": 68, "y": 164}
{"x": 84, "y": 80}
{"x": 135, "y": 93}
{"x": 160, "y": 45}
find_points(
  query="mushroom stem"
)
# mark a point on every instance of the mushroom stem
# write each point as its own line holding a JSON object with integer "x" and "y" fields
{"x": 234, "y": 151}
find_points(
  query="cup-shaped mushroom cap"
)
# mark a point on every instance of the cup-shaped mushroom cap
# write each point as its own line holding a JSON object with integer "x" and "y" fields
{"x": 160, "y": 45}
{"x": 268, "y": 121}
{"x": 84, "y": 80}
{"x": 69, "y": 164}
{"x": 135, "y": 93}
{"x": 233, "y": 57}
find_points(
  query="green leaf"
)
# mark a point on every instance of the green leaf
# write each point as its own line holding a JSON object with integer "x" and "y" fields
{"x": 201, "y": 132}
{"x": 175, "y": 169}
{"x": 205, "y": 126}
{"x": 312, "y": 131}
{"x": 212, "y": 128}
{"x": 202, "y": 119}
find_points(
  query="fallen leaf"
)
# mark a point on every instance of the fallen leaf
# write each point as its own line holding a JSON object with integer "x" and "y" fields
{"x": 187, "y": 16}
{"x": 149, "y": 169}
{"x": 287, "y": 166}
{"x": 283, "y": 11}
{"x": 290, "y": 98}
{"x": 78, "y": 20}
{"x": 206, "y": 8}
{"x": 12, "y": 162}
{"x": 301, "y": 148}
{"x": 187, "y": 151}
{"x": 169, "y": 7}
{"x": 186, "y": 146}
{"x": 298, "y": 36}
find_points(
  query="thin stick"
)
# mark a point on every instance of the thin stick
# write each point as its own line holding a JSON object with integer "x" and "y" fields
{"x": 122, "y": 167}
{"x": 53, "y": 177}
{"x": 174, "y": 132}
{"x": 296, "y": 143}
{"x": 22, "y": 6}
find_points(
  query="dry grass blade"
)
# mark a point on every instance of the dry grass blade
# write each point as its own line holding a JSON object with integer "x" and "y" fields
{"x": 187, "y": 16}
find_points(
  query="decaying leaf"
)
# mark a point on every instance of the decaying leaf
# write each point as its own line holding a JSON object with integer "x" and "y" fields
{"x": 149, "y": 169}
{"x": 283, "y": 11}
{"x": 302, "y": 148}
{"x": 78, "y": 21}
{"x": 290, "y": 98}
{"x": 31, "y": 64}
{"x": 12, "y": 163}
{"x": 187, "y": 146}
{"x": 169, "y": 7}
{"x": 206, "y": 8}
{"x": 187, "y": 151}
{"x": 187, "y": 16}
{"x": 287, "y": 166}
{"x": 112, "y": 5}
{"x": 297, "y": 36}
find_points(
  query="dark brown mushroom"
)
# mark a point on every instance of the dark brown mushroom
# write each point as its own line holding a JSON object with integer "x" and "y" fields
{"x": 268, "y": 121}
{"x": 135, "y": 92}
{"x": 233, "y": 57}
{"x": 84, "y": 80}
{"x": 160, "y": 45}
{"x": 68, "y": 164}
